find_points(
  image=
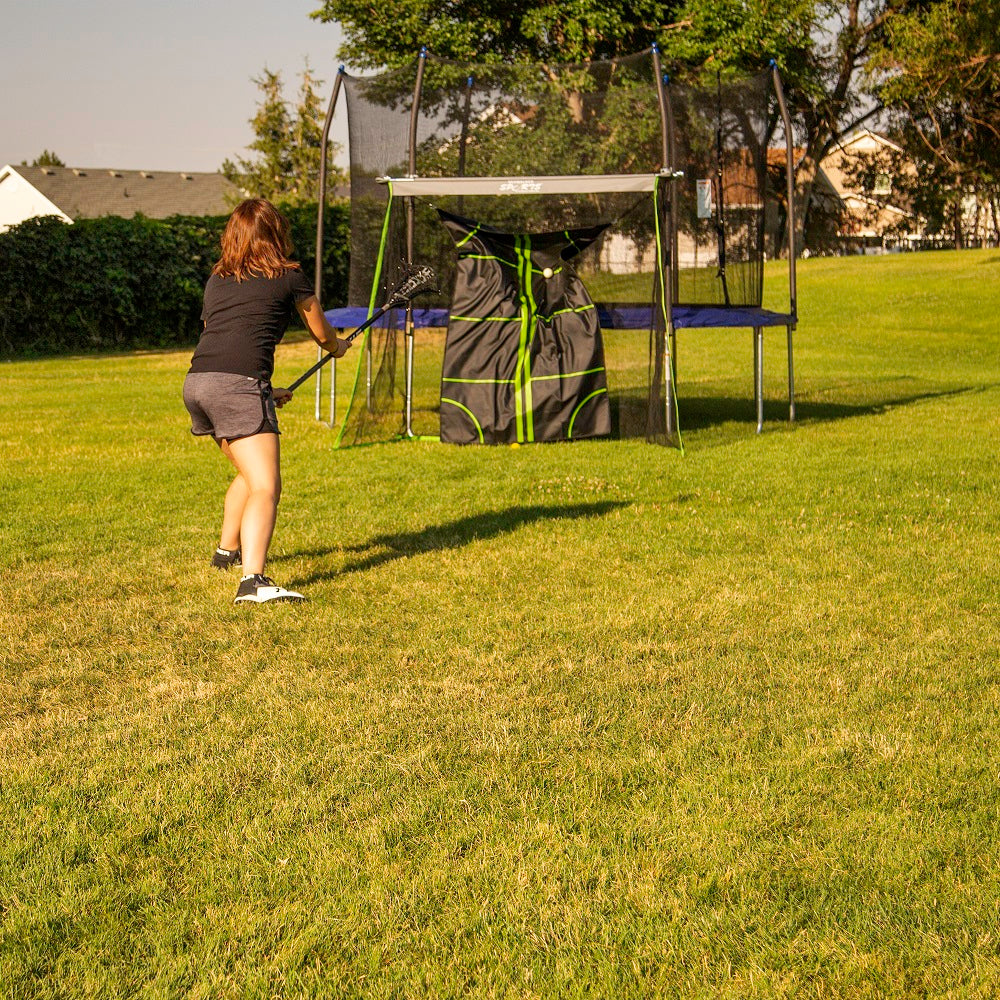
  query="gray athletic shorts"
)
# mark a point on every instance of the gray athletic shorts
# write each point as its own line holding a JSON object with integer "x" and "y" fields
{"x": 229, "y": 406}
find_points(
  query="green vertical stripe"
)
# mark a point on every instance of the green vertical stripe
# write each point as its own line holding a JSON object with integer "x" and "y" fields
{"x": 529, "y": 408}
{"x": 518, "y": 397}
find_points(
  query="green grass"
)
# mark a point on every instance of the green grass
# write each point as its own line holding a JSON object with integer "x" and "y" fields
{"x": 589, "y": 720}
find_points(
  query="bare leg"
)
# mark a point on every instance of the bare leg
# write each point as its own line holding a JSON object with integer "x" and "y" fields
{"x": 258, "y": 460}
{"x": 232, "y": 513}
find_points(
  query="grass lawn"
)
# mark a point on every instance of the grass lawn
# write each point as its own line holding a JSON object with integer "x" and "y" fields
{"x": 588, "y": 720}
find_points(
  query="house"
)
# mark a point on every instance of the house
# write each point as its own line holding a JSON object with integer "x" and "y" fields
{"x": 852, "y": 207}
{"x": 868, "y": 217}
{"x": 74, "y": 193}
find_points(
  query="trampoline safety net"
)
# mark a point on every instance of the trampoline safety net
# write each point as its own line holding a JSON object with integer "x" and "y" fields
{"x": 720, "y": 132}
{"x": 536, "y": 122}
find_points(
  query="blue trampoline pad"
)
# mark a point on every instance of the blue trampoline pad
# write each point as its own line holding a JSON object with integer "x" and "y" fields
{"x": 612, "y": 317}
{"x": 349, "y": 317}
{"x": 691, "y": 317}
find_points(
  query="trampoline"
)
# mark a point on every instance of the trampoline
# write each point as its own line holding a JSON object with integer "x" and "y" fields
{"x": 676, "y": 175}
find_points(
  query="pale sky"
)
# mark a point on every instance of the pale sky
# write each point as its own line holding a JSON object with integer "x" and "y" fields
{"x": 151, "y": 85}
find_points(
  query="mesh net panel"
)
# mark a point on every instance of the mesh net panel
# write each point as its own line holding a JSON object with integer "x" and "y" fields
{"x": 502, "y": 121}
{"x": 719, "y": 138}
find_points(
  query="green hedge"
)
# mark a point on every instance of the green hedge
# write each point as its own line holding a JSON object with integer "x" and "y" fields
{"x": 121, "y": 284}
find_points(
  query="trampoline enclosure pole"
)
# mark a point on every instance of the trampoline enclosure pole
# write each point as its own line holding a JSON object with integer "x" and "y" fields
{"x": 667, "y": 287}
{"x": 320, "y": 220}
{"x": 790, "y": 218}
{"x": 758, "y": 375}
{"x": 408, "y": 334}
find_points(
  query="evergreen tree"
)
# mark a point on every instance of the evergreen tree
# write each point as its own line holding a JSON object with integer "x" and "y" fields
{"x": 307, "y": 138}
{"x": 287, "y": 145}
{"x": 46, "y": 159}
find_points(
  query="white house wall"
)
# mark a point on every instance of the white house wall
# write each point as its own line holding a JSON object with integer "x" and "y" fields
{"x": 20, "y": 200}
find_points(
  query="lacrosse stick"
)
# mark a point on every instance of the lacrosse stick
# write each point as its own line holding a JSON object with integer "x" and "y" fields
{"x": 417, "y": 282}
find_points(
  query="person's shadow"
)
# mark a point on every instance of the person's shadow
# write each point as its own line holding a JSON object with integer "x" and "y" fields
{"x": 386, "y": 548}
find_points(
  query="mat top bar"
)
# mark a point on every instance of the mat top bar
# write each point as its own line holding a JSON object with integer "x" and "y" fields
{"x": 546, "y": 184}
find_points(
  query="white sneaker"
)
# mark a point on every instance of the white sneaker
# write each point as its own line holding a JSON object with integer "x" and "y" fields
{"x": 259, "y": 589}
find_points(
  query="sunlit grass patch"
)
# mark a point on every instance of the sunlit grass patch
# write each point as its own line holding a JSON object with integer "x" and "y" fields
{"x": 584, "y": 720}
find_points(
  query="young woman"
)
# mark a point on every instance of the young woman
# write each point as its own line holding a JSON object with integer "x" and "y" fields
{"x": 249, "y": 301}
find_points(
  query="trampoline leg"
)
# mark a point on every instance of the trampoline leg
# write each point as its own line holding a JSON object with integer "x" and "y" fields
{"x": 791, "y": 379}
{"x": 319, "y": 383}
{"x": 368, "y": 374}
{"x": 333, "y": 392}
{"x": 408, "y": 402}
{"x": 758, "y": 375}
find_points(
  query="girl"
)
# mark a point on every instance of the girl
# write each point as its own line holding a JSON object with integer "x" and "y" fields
{"x": 249, "y": 300}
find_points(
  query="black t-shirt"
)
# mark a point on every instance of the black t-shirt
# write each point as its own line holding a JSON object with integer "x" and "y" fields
{"x": 245, "y": 320}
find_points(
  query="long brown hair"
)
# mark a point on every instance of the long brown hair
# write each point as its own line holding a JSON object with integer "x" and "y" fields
{"x": 256, "y": 241}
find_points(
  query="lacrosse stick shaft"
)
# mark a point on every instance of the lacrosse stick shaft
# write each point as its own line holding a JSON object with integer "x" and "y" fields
{"x": 421, "y": 280}
{"x": 375, "y": 317}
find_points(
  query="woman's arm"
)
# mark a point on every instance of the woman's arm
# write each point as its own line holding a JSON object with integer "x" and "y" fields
{"x": 319, "y": 329}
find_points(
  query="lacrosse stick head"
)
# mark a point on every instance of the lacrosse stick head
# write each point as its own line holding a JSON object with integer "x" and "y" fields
{"x": 419, "y": 280}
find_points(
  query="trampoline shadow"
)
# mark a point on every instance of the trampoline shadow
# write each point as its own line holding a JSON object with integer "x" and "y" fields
{"x": 456, "y": 534}
{"x": 705, "y": 412}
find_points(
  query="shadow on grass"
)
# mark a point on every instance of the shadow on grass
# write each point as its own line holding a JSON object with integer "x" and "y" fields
{"x": 703, "y": 412}
{"x": 386, "y": 548}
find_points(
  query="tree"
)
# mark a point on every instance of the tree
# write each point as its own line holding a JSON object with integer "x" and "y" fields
{"x": 937, "y": 70}
{"x": 391, "y": 33}
{"x": 307, "y": 138}
{"x": 821, "y": 48}
{"x": 46, "y": 159}
{"x": 287, "y": 144}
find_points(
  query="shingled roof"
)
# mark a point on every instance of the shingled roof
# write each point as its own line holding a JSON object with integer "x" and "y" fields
{"x": 89, "y": 193}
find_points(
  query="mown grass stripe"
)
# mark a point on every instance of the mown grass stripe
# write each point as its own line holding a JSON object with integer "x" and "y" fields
{"x": 738, "y": 738}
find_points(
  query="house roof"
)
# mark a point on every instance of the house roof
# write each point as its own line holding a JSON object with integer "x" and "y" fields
{"x": 864, "y": 140}
{"x": 88, "y": 193}
{"x": 857, "y": 149}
